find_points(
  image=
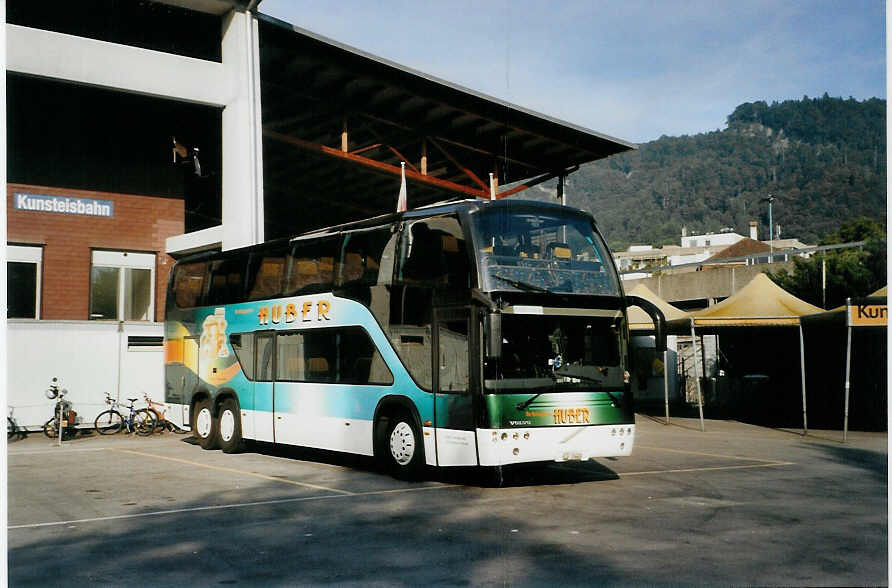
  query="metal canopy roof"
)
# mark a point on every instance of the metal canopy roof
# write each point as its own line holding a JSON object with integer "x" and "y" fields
{"x": 337, "y": 122}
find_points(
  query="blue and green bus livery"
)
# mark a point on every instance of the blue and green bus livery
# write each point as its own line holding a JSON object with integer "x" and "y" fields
{"x": 470, "y": 333}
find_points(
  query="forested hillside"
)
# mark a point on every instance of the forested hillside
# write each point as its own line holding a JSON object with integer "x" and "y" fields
{"x": 824, "y": 159}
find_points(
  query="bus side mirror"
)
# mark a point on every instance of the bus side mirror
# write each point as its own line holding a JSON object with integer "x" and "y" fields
{"x": 656, "y": 315}
{"x": 492, "y": 324}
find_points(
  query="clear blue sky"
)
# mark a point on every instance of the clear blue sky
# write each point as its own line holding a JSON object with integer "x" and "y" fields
{"x": 633, "y": 69}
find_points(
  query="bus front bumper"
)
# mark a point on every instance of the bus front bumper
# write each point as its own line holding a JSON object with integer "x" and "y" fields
{"x": 518, "y": 445}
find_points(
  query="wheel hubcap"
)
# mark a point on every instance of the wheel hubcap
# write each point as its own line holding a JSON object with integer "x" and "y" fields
{"x": 402, "y": 443}
{"x": 227, "y": 425}
{"x": 203, "y": 422}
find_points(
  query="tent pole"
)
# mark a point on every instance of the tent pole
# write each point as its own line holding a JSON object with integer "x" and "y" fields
{"x": 697, "y": 376}
{"x": 802, "y": 368}
{"x": 666, "y": 381}
{"x": 845, "y": 425}
{"x": 703, "y": 355}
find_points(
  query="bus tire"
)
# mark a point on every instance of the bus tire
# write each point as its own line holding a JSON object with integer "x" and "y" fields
{"x": 205, "y": 424}
{"x": 401, "y": 448}
{"x": 229, "y": 428}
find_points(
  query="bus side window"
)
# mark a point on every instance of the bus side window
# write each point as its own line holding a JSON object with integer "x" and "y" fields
{"x": 364, "y": 255}
{"x": 310, "y": 267}
{"x": 433, "y": 253}
{"x": 264, "y": 346}
{"x": 227, "y": 280}
{"x": 266, "y": 272}
{"x": 340, "y": 355}
{"x": 243, "y": 345}
{"x": 188, "y": 284}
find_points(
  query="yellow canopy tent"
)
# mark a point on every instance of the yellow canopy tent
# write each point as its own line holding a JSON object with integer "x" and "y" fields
{"x": 761, "y": 303}
{"x": 640, "y": 323}
{"x": 640, "y": 320}
{"x": 870, "y": 312}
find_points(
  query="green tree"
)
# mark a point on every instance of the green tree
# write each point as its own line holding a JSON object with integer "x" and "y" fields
{"x": 851, "y": 273}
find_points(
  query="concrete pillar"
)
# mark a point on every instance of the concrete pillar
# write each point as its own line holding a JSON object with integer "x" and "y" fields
{"x": 242, "y": 134}
{"x": 4, "y": 500}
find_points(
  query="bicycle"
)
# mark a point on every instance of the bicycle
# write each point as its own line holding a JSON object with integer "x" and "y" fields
{"x": 140, "y": 421}
{"x": 160, "y": 411}
{"x": 12, "y": 428}
{"x": 63, "y": 415}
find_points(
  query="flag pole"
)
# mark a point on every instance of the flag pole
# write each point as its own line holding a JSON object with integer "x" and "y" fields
{"x": 401, "y": 205}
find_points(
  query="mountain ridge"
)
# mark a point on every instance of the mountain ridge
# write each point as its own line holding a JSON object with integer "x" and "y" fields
{"x": 823, "y": 159}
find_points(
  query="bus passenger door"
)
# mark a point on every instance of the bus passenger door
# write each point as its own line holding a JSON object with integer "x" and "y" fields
{"x": 454, "y": 382}
{"x": 265, "y": 369}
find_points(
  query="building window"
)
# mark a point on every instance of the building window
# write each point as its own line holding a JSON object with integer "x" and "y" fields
{"x": 23, "y": 281}
{"x": 122, "y": 286}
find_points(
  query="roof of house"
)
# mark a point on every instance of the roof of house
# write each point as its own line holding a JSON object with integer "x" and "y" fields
{"x": 744, "y": 247}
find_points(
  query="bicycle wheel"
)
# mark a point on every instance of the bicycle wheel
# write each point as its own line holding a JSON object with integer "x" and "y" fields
{"x": 159, "y": 420}
{"x": 174, "y": 428}
{"x": 50, "y": 429}
{"x": 109, "y": 422}
{"x": 144, "y": 421}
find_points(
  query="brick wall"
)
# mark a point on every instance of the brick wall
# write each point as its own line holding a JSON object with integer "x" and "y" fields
{"x": 140, "y": 223}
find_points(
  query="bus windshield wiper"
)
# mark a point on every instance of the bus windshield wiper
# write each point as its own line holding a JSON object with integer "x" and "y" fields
{"x": 528, "y": 401}
{"x": 522, "y": 285}
{"x": 591, "y": 380}
{"x": 588, "y": 379}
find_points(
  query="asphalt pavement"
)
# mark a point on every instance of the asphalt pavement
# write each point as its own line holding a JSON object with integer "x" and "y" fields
{"x": 738, "y": 504}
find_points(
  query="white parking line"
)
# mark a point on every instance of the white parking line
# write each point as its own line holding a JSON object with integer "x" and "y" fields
{"x": 223, "y": 506}
{"x": 706, "y": 469}
{"x": 55, "y": 450}
{"x": 720, "y": 455}
{"x": 236, "y": 471}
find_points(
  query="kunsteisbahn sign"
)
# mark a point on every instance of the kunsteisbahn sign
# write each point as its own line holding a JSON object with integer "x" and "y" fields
{"x": 63, "y": 204}
{"x": 868, "y": 315}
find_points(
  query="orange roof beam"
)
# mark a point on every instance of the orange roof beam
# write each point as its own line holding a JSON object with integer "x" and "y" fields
{"x": 378, "y": 165}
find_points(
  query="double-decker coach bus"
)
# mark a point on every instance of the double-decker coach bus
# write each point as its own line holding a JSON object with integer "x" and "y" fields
{"x": 468, "y": 333}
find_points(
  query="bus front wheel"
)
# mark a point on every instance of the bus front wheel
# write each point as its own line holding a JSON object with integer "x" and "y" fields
{"x": 401, "y": 448}
{"x": 205, "y": 425}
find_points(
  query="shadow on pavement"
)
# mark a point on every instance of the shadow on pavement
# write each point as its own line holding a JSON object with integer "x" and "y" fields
{"x": 535, "y": 474}
{"x": 405, "y": 538}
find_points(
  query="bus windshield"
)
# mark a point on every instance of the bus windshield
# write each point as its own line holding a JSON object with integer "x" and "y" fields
{"x": 557, "y": 354}
{"x": 537, "y": 250}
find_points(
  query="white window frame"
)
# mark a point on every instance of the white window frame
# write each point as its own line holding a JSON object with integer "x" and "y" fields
{"x": 125, "y": 260}
{"x": 29, "y": 254}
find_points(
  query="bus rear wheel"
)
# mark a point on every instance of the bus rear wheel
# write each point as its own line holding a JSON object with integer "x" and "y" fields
{"x": 205, "y": 424}
{"x": 229, "y": 429}
{"x": 401, "y": 448}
